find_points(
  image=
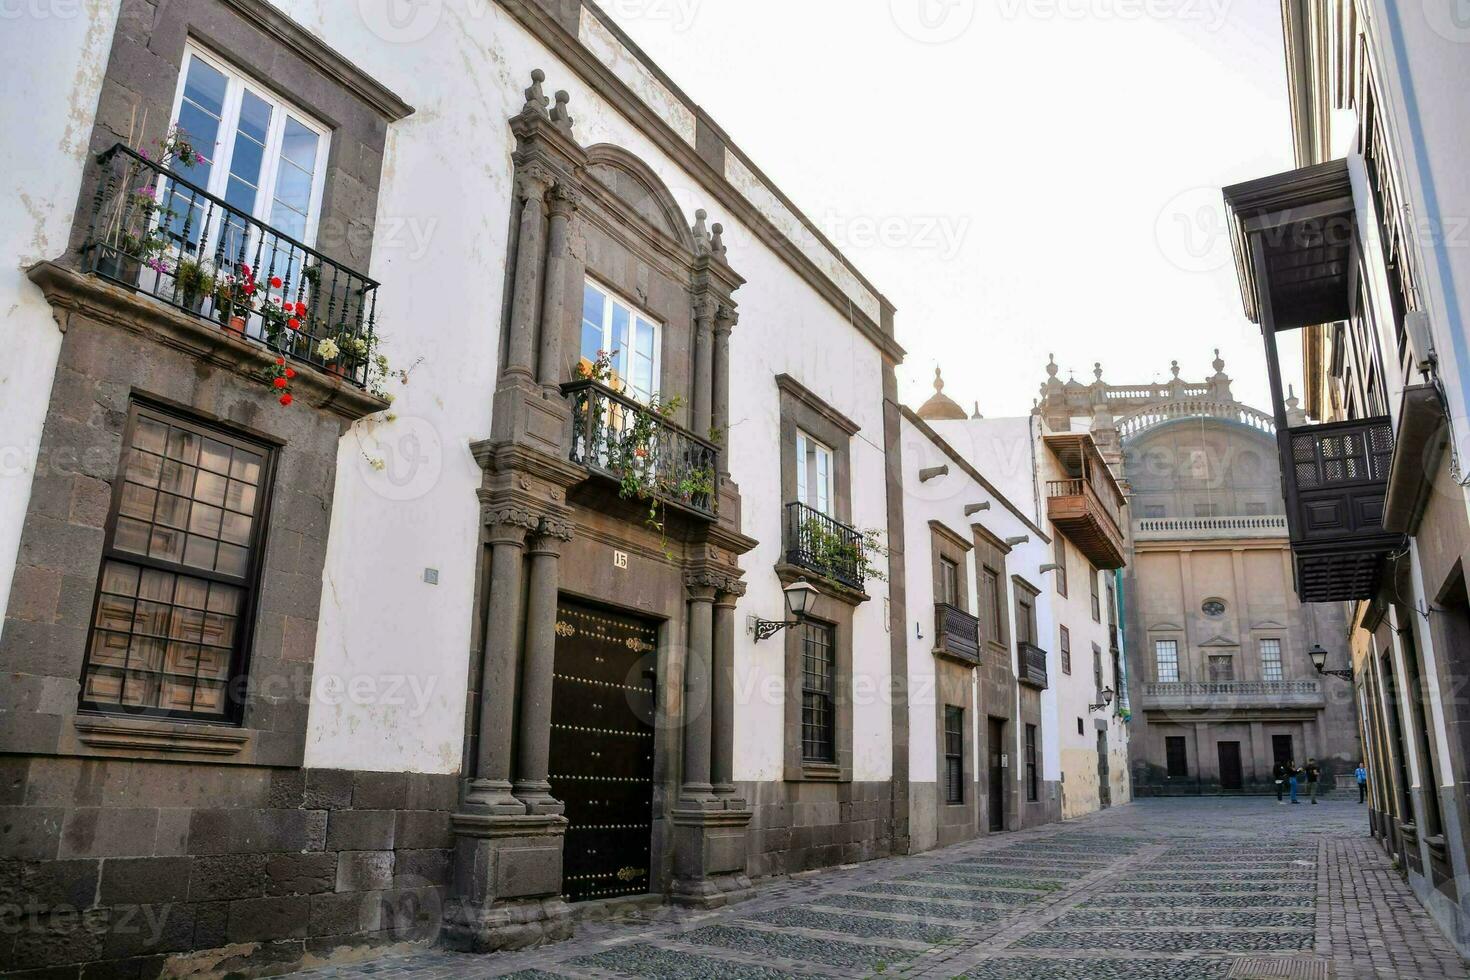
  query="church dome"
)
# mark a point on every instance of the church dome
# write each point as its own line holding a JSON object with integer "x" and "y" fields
{"x": 940, "y": 407}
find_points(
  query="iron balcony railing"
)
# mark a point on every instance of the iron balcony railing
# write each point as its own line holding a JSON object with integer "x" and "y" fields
{"x": 1209, "y": 689}
{"x": 1033, "y": 664}
{"x": 957, "y": 632}
{"x": 154, "y": 231}
{"x": 825, "y": 545}
{"x": 644, "y": 451}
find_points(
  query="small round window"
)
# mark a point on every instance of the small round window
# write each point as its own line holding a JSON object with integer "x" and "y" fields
{"x": 1214, "y": 608}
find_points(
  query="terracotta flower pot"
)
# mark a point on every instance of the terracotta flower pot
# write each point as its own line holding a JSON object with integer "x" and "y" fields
{"x": 236, "y": 325}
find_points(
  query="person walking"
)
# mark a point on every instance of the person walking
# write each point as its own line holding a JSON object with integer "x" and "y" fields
{"x": 1280, "y": 774}
{"x": 1361, "y": 775}
{"x": 1314, "y": 773}
{"x": 1292, "y": 772}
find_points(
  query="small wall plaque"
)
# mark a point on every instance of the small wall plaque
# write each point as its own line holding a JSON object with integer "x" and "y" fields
{"x": 620, "y": 559}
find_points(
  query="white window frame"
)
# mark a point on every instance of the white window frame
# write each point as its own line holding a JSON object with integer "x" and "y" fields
{"x": 805, "y": 445}
{"x": 224, "y": 148}
{"x": 1278, "y": 659}
{"x": 622, "y": 362}
{"x": 1159, "y": 646}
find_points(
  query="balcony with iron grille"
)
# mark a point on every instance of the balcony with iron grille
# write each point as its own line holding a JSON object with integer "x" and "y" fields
{"x": 956, "y": 633}
{"x": 1293, "y": 236}
{"x": 819, "y": 543}
{"x": 157, "y": 234}
{"x": 1032, "y": 662}
{"x": 1086, "y": 506}
{"x": 641, "y": 451}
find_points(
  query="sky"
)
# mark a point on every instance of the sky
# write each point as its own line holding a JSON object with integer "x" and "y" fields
{"x": 1018, "y": 177}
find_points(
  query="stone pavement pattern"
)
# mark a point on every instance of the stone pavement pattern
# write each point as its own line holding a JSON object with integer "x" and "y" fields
{"x": 1157, "y": 890}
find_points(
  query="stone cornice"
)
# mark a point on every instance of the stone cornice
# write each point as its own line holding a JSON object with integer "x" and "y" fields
{"x": 72, "y": 293}
{"x": 299, "y": 41}
{"x": 803, "y": 394}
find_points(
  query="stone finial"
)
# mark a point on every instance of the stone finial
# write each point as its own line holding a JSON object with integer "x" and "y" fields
{"x": 717, "y": 239}
{"x": 700, "y": 232}
{"x": 1219, "y": 363}
{"x": 560, "y": 117}
{"x": 1051, "y": 366}
{"x": 1174, "y": 369}
{"x": 1097, "y": 370}
{"x": 977, "y": 414}
{"x": 1295, "y": 416}
{"x": 536, "y": 100}
{"x": 938, "y": 380}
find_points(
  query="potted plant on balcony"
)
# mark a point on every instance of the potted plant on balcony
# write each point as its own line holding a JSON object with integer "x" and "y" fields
{"x": 832, "y": 552}
{"x": 194, "y": 282}
{"x": 234, "y": 299}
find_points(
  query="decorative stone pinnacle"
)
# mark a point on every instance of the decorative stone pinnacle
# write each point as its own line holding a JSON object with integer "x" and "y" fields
{"x": 938, "y": 380}
{"x": 977, "y": 414}
{"x": 1097, "y": 370}
{"x": 1051, "y": 365}
{"x": 717, "y": 240}
{"x": 1174, "y": 368}
{"x": 536, "y": 100}
{"x": 700, "y": 232}
{"x": 560, "y": 118}
{"x": 1219, "y": 363}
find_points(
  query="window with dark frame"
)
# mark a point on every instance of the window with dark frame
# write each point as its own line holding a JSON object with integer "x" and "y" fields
{"x": 179, "y": 571}
{"x": 1032, "y": 789}
{"x": 1061, "y": 560}
{"x": 1222, "y": 668}
{"x": 993, "y": 599}
{"x": 954, "y": 754}
{"x": 1096, "y": 599}
{"x": 949, "y": 582}
{"x": 818, "y": 689}
{"x": 1066, "y": 650}
{"x": 1025, "y": 617}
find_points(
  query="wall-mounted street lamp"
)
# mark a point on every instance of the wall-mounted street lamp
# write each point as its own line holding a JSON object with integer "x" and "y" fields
{"x": 1319, "y": 660}
{"x": 801, "y": 597}
{"x": 1107, "y": 699}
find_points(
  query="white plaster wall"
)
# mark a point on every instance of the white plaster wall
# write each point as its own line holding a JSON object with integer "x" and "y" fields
{"x": 52, "y": 60}
{"x": 446, "y": 192}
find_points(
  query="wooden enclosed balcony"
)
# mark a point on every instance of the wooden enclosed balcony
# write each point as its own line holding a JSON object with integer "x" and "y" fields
{"x": 1293, "y": 237}
{"x": 1031, "y": 661}
{"x": 1087, "y": 506}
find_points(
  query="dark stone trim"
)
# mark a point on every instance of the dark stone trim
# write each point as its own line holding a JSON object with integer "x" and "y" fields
{"x": 798, "y": 769}
{"x": 899, "y": 788}
{"x": 554, "y": 24}
{"x": 800, "y": 392}
{"x": 800, "y": 409}
{"x": 322, "y": 57}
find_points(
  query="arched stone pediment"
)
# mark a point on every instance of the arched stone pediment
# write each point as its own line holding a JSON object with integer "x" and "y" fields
{"x": 636, "y": 185}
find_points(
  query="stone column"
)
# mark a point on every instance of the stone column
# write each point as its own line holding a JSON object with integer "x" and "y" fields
{"x": 532, "y": 183}
{"x": 564, "y": 202}
{"x": 697, "y": 792}
{"x": 491, "y": 788}
{"x": 722, "y": 705}
{"x": 703, "y": 382}
{"x": 725, "y": 319}
{"x": 531, "y": 785}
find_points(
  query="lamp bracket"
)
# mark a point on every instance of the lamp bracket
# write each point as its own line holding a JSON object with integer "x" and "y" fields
{"x": 764, "y": 629}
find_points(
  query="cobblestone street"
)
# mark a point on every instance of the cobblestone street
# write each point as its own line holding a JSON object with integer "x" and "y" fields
{"x": 1173, "y": 889}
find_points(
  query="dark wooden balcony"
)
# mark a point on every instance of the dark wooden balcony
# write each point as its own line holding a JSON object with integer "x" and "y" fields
{"x": 1335, "y": 491}
{"x": 1032, "y": 662}
{"x": 1088, "y": 521}
{"x": 956, "y": 633}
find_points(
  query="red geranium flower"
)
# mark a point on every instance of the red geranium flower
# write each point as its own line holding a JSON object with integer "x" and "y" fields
{"x": 280, "y": 360}
{"x": 245, "y": 271}
{"x": 290, "y": 372}
{"x": 275, "y": 282}
{"x": 279, "y": 382}
{"x": 286, "y": 398}
{"x": 301, "y": 309}
{"x": 294, "y": 323}
{"x": 248, "y": 288}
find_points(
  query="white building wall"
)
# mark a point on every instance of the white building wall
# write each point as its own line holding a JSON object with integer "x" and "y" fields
{"x": 51, "y": 69}
{"x": 443, "y": 220}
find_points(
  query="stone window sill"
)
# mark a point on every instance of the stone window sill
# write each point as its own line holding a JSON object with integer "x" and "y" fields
{"x": 146, "y": 736}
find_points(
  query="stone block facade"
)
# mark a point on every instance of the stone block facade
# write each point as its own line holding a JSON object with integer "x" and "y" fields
{"x": 128, "y": 863}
